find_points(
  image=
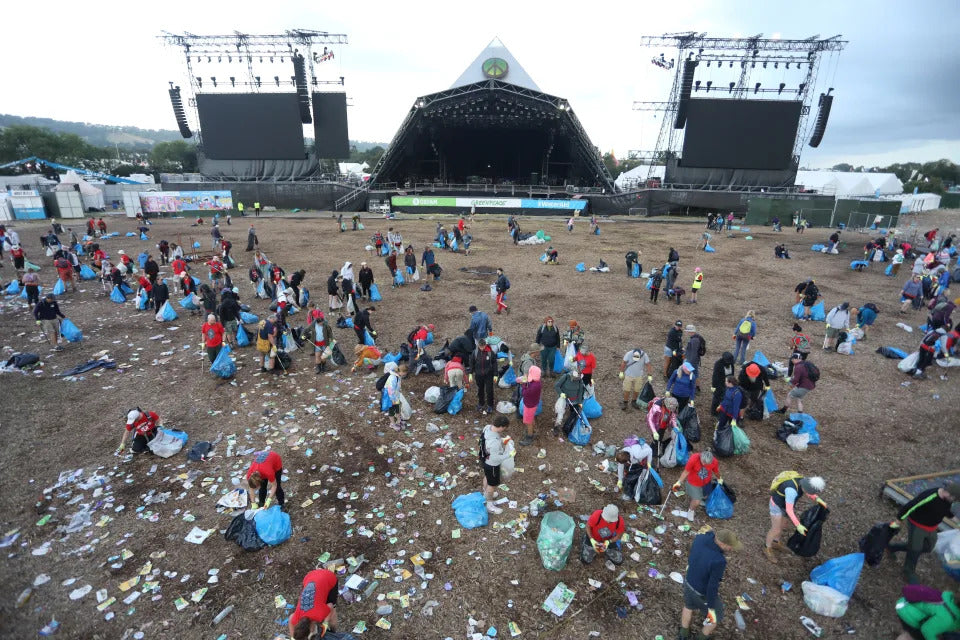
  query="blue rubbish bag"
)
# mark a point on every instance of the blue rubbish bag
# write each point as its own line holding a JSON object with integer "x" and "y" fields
{"x": 429, "y": 339}
{"x": 117, "y": 296}
{"x": 384, "y": 250}
{"x": 70, "y": 331}
{"x": 385, "y": 401}
{"x": 543, "y": 258}
{"x": 798, "y": 310}
{"x": 59, "y": 289}
{"x": 591, "y": 408}
{"x": 649, "y": 283}
{"x": 398, "y": 279}
{"x": 261, "y": 289}
{"x": 196, "y": 245}
{"x": 375, "y": 294}
{"x": 249, "y": 318}
{"x": 167, "y": 313}
{"x": 581, "y": 432}
{"x": 537, "y": 412}
{"x": 818, "y": 247}
{"x": 143, "y": 236}
{"x": 863, "y": 264}
{"x": 456, "y": 404}
{"x": 683, "y": 447}
{"x": 817, "y": 312}
{"x": 718, "y": 504}
{"x": 840, "y": 573}
{"x": 130, "y": 234}
{"x": 86, "y": 273}
{"x": 142, "y": 300}
{"x": 142, "y": 260}
{"x": 509, "y": 376}
{"x": 390, "y": 357}
{"x": 888, "y": 271}
{"x": 243, "y": 338}
{"x": 367, "y": 338}
{"x": 761, "y": 359}
{"x": 709, "y": 249}
{"x": 635, "y": 270}
{"x": 23, "y": 293}
{"x": 809, "y": 426}
{"x": 770, "y": 402}
{"x": 178, "y": 434}
{"x": 471, "y": 510}
{"x": 13, "y": 288}
{"x": 557, "y": 361}
{"x": 125, "y": 288}
{"x": 189, "y": 304}
{"x": 273, "y": 525}
{"x": 348, "y": 323}
{"x": 656, "y": 476}
{"x": 223, "y": 365}
{"x": 581, "y": 267}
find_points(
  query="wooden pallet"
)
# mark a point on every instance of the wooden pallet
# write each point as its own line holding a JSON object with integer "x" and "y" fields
{"x": 902, "y": 490}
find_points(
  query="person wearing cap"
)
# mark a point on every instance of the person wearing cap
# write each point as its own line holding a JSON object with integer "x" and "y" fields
{"x": 502, "y": 285}
{"x": 570, "y": 389}
{"x": 799, "y": 343}
{"x": 143, "y": 425}
{"x": 724, "y": 367}
{"x": 697, "y": 473}
{"x": 631, "y": 461}
{"x": 783, "y": 498}
{"x": 529, "y": 359}
{"x": 483, "y": 368}
{"x": 697, "y": 283}
{"x": 731, "y": 407}
{"x": 322, "y": 338}
{"x": 754, "y": 381}
{"x": 46, "y": 313}
{"x": 495, "y": 448}
{"x": 662, "y": 418}
{"x": 315, "y": 613}
{"x": 212, "y": 333}
{"x": 605, "y": 527}
{"x": 480, "y": 325}
{"x": 126, "y": 264}
{"x": 837, "y": 320}
{"x": 673, "y": 348}
{"x": 745, "y": 332}
{"x": 896, "y": 262}
{"x": 706, "y": 565}
{"x": 573, "y": 335}
{"x": 264, "y": 479}
{"x": 548, "y": 338}
{"x": 682, "y": 384}
{"x": 633, "y": 372}
{"x": 586, "y": 363}
{"x": 923, "y": 514}
{"x": 696, "y": 346}
{"x": 530, "y": 390}
{"x": 365, "y": 279}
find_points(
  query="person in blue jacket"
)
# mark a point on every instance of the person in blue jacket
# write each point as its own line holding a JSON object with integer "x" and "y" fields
{"x": 745, "y": 331}
{"x": 866, "y": 316}
{"x": 701, "y": 586}
{"x": 682, "y": 384}
{"x": 731, "y": 408}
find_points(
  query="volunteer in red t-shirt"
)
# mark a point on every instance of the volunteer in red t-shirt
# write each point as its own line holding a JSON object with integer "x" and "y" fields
{"x": 315, "y": 606}
{"x": 125, "y": 262}
{"x": 179, "y": 266}
{"x": 212, "y": 332}
{"x": 698, "y": 472}
{"x": 604, "y": 529}
{"x": 586, "y": 362}
{"x": 143, "y": 424}
{"x": 264, "y": 476}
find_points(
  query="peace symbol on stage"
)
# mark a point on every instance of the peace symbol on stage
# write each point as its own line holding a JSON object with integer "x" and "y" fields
{"x": 495, "y": 68}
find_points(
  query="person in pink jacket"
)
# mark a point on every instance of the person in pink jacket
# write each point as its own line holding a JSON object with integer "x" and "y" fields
{"x": 662, "y": 418}
{"x": 453, "y": 373}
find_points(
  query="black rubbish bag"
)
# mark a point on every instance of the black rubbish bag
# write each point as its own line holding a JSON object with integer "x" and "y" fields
{"x": 23, "y": 360}
{"x": 244, "y": 533}
{"x": 787, "y": 429}
{"x": 338, "y": 357}
{"x": 648, "y": 491}
{"x": 199, "y": 451}
{"x": 283, "y": 361}
{"x": 807, "y": 546}
{"x": 630, "y": 479}
{"x": 689, "y": 423}
{"x": 446, "y": 396}
{"x": 723, "y": 442}
{"x": 646, "y": 393}
{"x": 874, "y": 544}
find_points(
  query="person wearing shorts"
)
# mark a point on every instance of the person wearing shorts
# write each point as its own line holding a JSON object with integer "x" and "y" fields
{"x": 322, "y": 338}
{"x": 705, "y": 568}
{"x": 633, "y": 372}
{"x": 493, "y": 452}
{"x": 698, "y": 473}
{"x": 530, "y": 390}
{"x": 783, "y": 497}
{"x": 800, "y": 382}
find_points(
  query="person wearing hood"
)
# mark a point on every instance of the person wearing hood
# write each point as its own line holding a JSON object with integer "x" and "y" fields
{"x": 696, "y": 346}
{"x": 682, "y": 384}
{"x": 927, "y": 350}
{"x": 483, "y": 369}
{"x": 392, "y": 387}
{"x": 333, "y": 292}
{"x": 530, "y": 390}
{"x": 783, "y": 498}
{"x": 495, "y": 449}
{"x": 754, "y": 381}
{"x": 346, "y": 286}
{"x": 365, "y": 278}
{"x": 528, "y": 359}
{"x": 723, "y": 368}
{"x": 837, "y": 320}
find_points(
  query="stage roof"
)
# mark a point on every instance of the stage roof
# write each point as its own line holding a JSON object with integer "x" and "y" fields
{"x": 510, "y": 72}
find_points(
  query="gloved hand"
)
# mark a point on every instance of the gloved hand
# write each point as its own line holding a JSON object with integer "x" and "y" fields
{"x": 802, "y": 530}
{"x": 821, "y": 503}
{"x": 667, "y": 394}
{"x": 266, "y": 505}
{"x": 649, "y": 378}
{"x": 674, "y": 353}
{"x": 39, "y": 323}
{"x": 719, "y": 480}
{"x": 711, "y": 616}
{"x": 470, "y": 378}
{"x": 373, "y": 333}
{"x": 119, "y": 450}
{"x": 766, "y": 387}
{"x": 620, "y": 375}
{"x": 690, "y": 404}
{"x": 656, "y": 435}
{"x": 496, "y": 379}
{"x": 894, "y": 524}
{"x": 619, "y": 484}
{"x": 733, "y": 423}
{"x": 713, "y": 389}
{"x": 563, "y": 396}
{"x": 675, "y": 487}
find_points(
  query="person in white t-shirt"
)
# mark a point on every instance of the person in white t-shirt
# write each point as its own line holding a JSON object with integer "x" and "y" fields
{"x": 631, "y": 461}
{"x": 633, "y": 372}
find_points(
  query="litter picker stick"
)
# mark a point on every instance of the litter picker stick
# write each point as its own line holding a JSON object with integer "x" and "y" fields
{"x": 665, "y": 500}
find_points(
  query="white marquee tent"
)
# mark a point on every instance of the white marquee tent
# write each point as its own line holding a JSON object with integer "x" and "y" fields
{"x": 850, "y": 183}
{"x": 92, "y": 197}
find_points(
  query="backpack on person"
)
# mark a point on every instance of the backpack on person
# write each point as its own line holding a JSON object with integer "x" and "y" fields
{"x": 813, "y": 372}
{"x": 782, "y": 477}
{"x": 382, "y": 381}
{"x": 482, "y": 448}
{"x": 506, "y": 283}
{"x": 743, "y": 330}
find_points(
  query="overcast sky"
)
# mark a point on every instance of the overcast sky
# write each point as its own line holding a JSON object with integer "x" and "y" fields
{"x": 896, "y": 87}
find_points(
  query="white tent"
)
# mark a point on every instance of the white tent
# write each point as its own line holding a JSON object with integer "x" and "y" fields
{"x": 913, "y": 202}
{"x": 92, "y": 197}
{"x": 849, "y": 183}
{"x": 353, "y": 168}
{"x": 635, "y": 178}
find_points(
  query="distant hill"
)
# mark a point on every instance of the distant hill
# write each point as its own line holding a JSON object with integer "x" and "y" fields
{"x": 102, "y": 135}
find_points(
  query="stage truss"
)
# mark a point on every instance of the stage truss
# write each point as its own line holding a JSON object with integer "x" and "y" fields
{"x": 741, "y": 56}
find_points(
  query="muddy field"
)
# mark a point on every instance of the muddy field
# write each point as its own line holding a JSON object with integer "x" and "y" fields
{"x": 356, "y": 487}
